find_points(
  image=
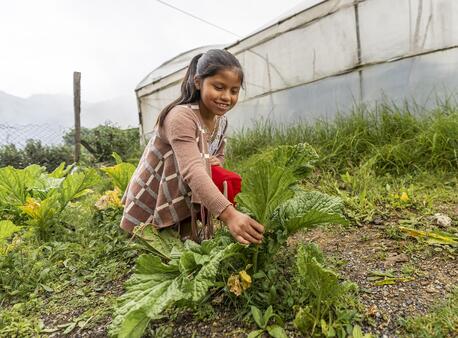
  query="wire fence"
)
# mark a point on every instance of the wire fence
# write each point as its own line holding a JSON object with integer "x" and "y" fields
{"x": 47, "y": 134}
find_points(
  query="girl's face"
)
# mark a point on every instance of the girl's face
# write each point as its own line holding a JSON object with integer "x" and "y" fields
{"x": 220, "y": 92}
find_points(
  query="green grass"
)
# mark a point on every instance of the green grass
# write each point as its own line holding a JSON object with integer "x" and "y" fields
{"x": 442, "y": 321}
{"x": 388, "y": 139}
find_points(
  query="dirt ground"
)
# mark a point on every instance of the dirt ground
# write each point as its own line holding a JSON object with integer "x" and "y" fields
{"x": 424, "y": 274}
{"x": 421, "y": 274}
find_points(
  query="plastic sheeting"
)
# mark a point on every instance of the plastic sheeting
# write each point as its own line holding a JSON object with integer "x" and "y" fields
{"x": 325, "y": 59}
{"x": 395, "y": 28}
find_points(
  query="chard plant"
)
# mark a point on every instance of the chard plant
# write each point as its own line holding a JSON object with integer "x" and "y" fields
{"x": 37, "y": 198}
{"x": 272, "y": 195}
{"x": 172, "y": 273}
{"x": 325, "y": 306}
{"x": 176, "y": 274}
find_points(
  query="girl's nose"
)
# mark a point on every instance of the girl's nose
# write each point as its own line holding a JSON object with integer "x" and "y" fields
{"x": 226, "y": 96}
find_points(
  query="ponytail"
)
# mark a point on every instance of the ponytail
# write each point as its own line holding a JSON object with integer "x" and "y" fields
{"x": 189, "y": 92}
{"x": 201, "y": 66}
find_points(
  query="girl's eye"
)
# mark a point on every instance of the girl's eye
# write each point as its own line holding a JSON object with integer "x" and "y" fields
{"x": 218, "y": 87}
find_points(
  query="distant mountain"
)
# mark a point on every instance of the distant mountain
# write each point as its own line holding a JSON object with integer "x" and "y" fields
{"x": 58, "y": 110}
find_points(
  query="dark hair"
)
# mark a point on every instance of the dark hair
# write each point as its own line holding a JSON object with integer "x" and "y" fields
{"x": 202, "y": 66}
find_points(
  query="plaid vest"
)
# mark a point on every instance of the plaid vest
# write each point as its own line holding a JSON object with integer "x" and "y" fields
{"x": 157, "y": 193}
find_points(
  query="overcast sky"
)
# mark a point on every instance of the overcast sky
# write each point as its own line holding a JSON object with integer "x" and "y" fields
{"x": 114, "y": 43}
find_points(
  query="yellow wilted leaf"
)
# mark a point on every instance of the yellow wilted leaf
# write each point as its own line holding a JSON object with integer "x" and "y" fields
{"x": 404, "y": 197}
{"x": 113, "y": 197}
{"x": 234, "y": 285}
{"x": 31, "y": 207}
{"x": 109, "y": 199}
{"x": 246, "y": 279}
{"x": 431, "y": 237}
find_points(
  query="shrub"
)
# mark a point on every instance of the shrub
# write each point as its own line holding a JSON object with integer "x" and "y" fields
{"x": 103, "y": 140}
{"x": 35, "y": 153}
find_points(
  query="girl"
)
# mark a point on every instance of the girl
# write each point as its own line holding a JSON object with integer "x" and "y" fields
{"x": 172, "y": 185}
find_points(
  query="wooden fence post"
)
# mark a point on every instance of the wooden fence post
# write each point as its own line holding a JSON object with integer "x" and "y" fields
{"x": 77, "y": 110}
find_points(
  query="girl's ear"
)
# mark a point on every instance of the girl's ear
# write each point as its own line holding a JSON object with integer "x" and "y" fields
{"x": 197, "y": 82}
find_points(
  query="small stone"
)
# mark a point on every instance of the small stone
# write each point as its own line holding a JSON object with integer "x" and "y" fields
{"x": 431, "y": 289}
{"x": 442, "y": 220}
{"x": 393, "y": 259}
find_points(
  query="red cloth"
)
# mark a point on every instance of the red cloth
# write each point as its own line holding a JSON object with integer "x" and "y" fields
{"x": 234, "y": 181}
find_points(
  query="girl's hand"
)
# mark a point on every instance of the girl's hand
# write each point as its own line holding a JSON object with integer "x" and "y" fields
{"x": 242, "y": 227}
{"x": 213, "y": 160}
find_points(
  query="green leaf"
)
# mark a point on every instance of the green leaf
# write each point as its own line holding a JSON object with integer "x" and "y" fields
{"x": 164, "y": 243}
{"x": 47, "y": 288}
{"x": 255, "y": 334}
{"x": 69, "y": 328}
{"x": 322, "y": 282}
{"x": 309, "y": 209}
{"x": 146, "y": 297}
{"x": 205, "y": 277}
{"x": 357, "y": 332}
{"x": 268, "y": 314}
{"x": 120, "y": 174}
{"x": 324, "y": 327}
{"x": 117, "y": 157}
{"x": 7, "y": 229}
{"x": 150, "y": 264}
{"x": 265, "y": 188}
{"x": 187, "y": 262}
{"x": 77, "y": 185}
{"x": 304, "y": 320}
{"x": 276, "y": 331}
{"x": 257, "y": 316}
{"x": 15, "y": 184}
{"x": 61, "y": 171}
{"x": 299, "y": 158}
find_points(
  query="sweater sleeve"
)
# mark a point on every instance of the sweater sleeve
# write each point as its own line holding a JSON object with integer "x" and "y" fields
{"x": 181, "y": 130}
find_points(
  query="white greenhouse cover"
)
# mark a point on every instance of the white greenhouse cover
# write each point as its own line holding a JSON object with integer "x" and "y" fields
{"x": 313, "y": 62}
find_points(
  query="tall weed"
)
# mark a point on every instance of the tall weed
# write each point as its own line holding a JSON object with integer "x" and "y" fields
{"x": 393, "y": 139}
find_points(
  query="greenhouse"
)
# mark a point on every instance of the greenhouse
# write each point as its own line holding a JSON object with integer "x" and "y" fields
{"x": 315, "y": 61}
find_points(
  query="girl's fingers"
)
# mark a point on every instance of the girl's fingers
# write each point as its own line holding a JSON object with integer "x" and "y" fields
{"x": 242, "y": 240}
{"x": 250, "y": 238}
{"x": 258, "y": 227}
{"x": 254, "y": 233}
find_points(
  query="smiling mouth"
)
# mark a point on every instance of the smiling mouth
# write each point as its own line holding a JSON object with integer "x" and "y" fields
{"x": 222, "y": 105}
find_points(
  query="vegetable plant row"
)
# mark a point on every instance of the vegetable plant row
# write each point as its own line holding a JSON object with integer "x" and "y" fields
{"x": 172, "y": 274}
